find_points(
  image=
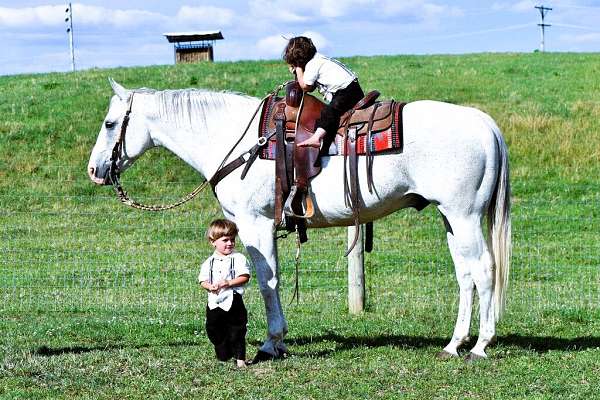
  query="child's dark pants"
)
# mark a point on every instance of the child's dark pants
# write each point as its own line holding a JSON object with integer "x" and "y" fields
{"x": 227, "y": 330}
{"x": 342, "y": 101}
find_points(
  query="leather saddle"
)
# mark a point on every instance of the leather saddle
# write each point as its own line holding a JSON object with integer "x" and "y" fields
{"x": 292, "y": 119}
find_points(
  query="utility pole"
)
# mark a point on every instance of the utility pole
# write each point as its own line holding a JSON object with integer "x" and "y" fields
{"x": 69, "y": 21}
{"x": 542, "y": 25}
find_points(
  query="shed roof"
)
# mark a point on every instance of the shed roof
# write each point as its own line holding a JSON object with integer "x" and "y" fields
{"x": 174, "y": 37}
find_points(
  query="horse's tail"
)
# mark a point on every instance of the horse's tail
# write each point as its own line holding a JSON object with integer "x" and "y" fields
{"x": 499, "y": 224}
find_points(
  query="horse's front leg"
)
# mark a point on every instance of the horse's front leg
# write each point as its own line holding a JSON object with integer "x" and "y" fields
{"x": 257, "y": 234}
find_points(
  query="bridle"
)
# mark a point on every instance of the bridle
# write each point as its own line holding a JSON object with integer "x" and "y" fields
{"x": 114, "y": 172}
{"x": 223, "y": 170}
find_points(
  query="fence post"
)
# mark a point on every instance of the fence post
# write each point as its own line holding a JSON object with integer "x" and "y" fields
{"x": 356, "y": 272}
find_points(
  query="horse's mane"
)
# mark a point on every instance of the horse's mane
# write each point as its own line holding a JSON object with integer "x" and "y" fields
{"x": 189, "y": 107}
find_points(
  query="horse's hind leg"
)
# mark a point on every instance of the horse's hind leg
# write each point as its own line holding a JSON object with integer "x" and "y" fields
{"x": 473, "y": 264}
{"x": 465, "y": 284}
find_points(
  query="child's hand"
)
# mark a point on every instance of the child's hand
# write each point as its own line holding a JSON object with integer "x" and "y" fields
{"x": 212, "y": 288}
{"x": 222, "y": 284}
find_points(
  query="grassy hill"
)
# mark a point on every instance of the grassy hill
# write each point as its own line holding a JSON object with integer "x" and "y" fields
{"x": 548, "y": 105}
{"x": 94, "y": 295}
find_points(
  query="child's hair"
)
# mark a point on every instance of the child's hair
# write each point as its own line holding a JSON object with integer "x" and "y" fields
{"x": 299, "y": 51}
{"x": 221, "y": 227}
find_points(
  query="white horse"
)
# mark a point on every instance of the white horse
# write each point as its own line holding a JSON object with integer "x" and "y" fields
{"x": 453, "y": 157}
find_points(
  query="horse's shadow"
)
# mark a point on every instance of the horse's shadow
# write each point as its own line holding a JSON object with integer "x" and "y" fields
{"x": 543, "y": 344}
{"x": 539, "y": 344}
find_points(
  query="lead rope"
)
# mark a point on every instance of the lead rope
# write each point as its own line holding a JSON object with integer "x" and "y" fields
{"x": 296, "y": 293}
{"x": 124, "y": 197}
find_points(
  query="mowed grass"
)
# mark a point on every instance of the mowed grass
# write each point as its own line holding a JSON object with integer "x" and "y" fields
{"x": 100, "y": 301}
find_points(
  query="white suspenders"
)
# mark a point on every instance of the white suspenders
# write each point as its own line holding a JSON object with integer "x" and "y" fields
{"x": 345, "y": 68}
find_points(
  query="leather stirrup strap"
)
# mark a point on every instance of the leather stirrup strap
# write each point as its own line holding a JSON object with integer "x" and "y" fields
{"x": 281, "y": 183}
{"x": 290, "y": 223}
{"x": 354, "y": 188}
{"x": 344, "y": 165}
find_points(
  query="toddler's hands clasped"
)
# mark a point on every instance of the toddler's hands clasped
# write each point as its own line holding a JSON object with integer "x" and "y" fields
{"x": 212, "y": 287}
{"x": 222, "y": 284}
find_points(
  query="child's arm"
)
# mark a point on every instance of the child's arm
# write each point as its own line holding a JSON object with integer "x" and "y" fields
{"x": 300, "y": 77}
{"x": 239, "y": 281}
{"x": 208, "y": 286}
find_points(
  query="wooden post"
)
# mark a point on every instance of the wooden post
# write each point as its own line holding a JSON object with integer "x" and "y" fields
{"x": 356, "y": 272}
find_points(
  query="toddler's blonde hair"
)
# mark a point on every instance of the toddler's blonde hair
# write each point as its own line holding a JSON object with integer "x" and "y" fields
{"x": 221, "y": 227}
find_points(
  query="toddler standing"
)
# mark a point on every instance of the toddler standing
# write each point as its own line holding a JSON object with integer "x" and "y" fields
{"x": 224, "y": 275}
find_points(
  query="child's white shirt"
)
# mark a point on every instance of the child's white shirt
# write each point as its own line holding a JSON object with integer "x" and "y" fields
{"x": 223, "y": 268}
{"x": 328, "y": 74}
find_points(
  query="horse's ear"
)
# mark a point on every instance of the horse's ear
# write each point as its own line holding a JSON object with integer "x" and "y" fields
{"x": 118, "y": 89}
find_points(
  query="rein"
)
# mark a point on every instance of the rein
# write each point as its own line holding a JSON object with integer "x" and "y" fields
{"x": 114, "y": 173}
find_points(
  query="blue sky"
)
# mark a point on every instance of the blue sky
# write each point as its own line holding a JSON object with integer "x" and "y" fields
{"x": 111, "y": 33}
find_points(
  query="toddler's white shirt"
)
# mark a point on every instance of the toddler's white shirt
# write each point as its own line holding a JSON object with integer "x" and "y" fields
{"x": 223, "y": 267}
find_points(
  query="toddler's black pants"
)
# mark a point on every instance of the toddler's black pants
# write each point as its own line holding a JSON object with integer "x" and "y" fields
{"x": 227, "y": 330}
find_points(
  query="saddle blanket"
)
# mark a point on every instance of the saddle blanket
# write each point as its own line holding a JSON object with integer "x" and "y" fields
{"x": 382, "y": 141}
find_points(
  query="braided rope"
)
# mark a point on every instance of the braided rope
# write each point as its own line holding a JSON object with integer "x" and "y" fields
{"x": 125, "y": 199}
{"x": 122, "y": 194}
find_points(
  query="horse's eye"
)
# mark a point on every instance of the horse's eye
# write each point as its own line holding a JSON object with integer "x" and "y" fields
{"x": 109, "y": 124}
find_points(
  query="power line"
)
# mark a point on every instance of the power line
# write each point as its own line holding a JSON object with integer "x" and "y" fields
{"x": 580, "y": 7}
{"x": 467, "y": 34}
{"x": 588, "y": 28}
{"x": 542, "y": 25}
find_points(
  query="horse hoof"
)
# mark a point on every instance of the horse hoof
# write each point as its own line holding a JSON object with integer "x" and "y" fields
{"x": 264, "y": 356}
{"x": 444, "y": 355}
{"x": 472, "y": 357}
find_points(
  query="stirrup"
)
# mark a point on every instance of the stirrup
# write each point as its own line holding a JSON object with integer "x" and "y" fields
{"x": 308, "y": 210}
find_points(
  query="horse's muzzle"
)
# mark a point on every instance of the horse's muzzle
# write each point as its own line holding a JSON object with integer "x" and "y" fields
{"x": 98, "y": 181}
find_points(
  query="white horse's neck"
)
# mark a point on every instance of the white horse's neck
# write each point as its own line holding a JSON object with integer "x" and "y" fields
{"x": 200, "y": 126}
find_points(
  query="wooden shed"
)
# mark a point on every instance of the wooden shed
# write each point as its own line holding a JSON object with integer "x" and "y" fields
{"x": 192, "y": 47}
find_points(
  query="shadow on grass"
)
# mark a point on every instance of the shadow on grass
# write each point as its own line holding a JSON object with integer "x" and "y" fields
{"x": 46, "y": 351}
{"x": 543, "y": 344}
{"x": 342, "y": 343}
{"x": 539, "y": 344}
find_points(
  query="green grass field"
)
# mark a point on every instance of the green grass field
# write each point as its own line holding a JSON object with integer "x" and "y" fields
{"x": 100, "y": 301}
